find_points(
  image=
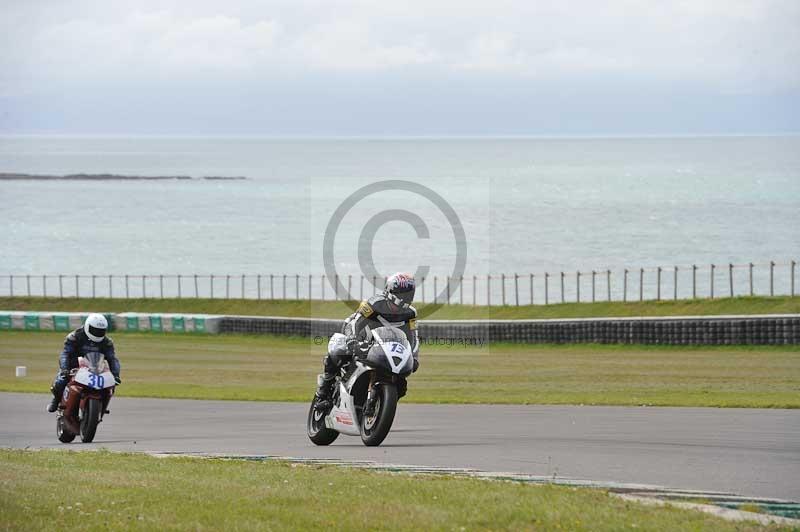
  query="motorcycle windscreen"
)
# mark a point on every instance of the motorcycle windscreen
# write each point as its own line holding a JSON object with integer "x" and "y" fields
{"x": 391, "y": 351}
{"x": 95, "y": 361}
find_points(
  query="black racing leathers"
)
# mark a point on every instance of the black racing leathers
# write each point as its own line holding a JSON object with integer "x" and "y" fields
{"x": 377, "y": 311}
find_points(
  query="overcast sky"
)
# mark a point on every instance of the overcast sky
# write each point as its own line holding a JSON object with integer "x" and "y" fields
{"x": 360, "y": 68}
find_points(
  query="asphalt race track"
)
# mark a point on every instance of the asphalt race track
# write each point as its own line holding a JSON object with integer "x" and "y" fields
{"x": 745, "y": 451}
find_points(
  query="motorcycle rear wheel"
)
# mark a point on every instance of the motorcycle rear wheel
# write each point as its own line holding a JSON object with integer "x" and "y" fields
{"x": 89, "y": 420}
{"x": 64, "y": 435}
{"x": 318, "y": 433}
{"x": 375, "y": 428}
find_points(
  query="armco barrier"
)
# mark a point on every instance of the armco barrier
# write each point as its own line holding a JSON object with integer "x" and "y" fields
{"x": 680, "y": 330}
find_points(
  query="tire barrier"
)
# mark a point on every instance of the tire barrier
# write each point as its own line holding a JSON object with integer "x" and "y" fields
{"x": 683, "y": 330}
{"x": 781, "y": 329}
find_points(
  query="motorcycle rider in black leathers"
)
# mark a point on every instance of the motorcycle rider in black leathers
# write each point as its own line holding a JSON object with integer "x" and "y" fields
{"x": 89, "y": 338}
{"x": 390, "y": 308}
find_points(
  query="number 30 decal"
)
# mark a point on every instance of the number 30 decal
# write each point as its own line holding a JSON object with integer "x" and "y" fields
{"x": 96, "y": 381}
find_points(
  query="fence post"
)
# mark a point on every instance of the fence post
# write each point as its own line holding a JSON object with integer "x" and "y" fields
{"x": 578, "y": 286}
{"x": 60, "y": 287}
{"x": 375, "y": 282}
{"x": 503, "y": 287}
{"x": 196, "y": 291}
{"x": 694, "y": 281}
{"x": 594, "y": 273}
{"x": 474, "y": 289}
{"x": 258, "y": 286}
{"x": 361, "y": 290}
{"x": 77, "y": 288}
{"x": 751, "y": 278}
{"x": 531, "y": 287}
{"x": 144, "y": 287}
{"x": 423, "y": 288}
{"x": 297, "y": 286}
{"x": 625, "y": 286}
{"x": 271, "y": 286}
{"x": 546, "y": 279}
{"x": 641, "y": 284}
{"x": 448, "y": 289}
{"x": 44, "y": 285}
{"x": 435, "y": 290}
{"x": 94, "y": 292}
{"x": 675, "y": 283}
{"x": 161, "y": 286}
{"x": 516, "y": 289}
{"x": 284, "y": 286}
{"x": 212, "y": 286}
{"x": 322, "y": 286}
{"x": 110, "y": 287}
{"x": 712, "y": 281}
{"x": 11, "y": 285}
{"x": 461, "y": 290}
{"x": 488, "y": 290}
{"x": 127, "y": 289}
{"x": 243, "y": 276}
{"x": 227, "y": 286}
{"x": 771, "y": 278}
{"x": 730, "y": 277}
{"x": 309, "y": 287}
{"x": 28, "y": 283}
{"x": 608, "y": 285}
{"x": 793, "y": 265}
{"x": 658, "y": 282}
{"x": 562, "y": 287}
{"x": 180, "y": 294}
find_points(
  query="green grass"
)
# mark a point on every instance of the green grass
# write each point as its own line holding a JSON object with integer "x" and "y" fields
{"x": 108, "y": 491}
{"x": 271, "y": 368}
{"x": 339, "y": 309}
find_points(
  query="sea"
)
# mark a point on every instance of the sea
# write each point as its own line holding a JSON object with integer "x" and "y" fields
{"x": 509, "y": 208}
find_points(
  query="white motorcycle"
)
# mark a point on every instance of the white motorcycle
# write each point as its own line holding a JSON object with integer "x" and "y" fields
{"x": 366, "y": 391}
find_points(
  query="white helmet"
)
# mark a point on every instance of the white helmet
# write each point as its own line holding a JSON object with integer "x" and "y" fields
{"x": 95, "y": 327}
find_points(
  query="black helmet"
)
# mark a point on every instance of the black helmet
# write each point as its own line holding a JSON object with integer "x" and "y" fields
{"x": 401, "y": 286}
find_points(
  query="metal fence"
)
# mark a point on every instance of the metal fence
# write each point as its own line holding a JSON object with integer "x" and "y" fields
{"x": 543, "y": 288}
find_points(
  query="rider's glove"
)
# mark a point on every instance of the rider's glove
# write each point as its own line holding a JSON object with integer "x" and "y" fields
{"x": 117, "y": 380}
{"x": 352, "y": 345}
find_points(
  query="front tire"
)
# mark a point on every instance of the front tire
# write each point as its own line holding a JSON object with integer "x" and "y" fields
{"x": 89, "y": 420}
{"x": 375, "y": 428}
{"x": 318, "y": 433}
{"x": 63, "y": 433}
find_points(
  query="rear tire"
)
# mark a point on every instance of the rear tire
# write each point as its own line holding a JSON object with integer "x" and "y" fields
{"x": 89, "y": 420}
{"x": 375, "y": 428}
{"x": 318, "y": 433}
{"x": 64, "y": 435}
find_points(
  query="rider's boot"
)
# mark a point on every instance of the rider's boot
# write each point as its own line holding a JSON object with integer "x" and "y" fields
{"x": 325, "y": 391}
{"x": 57, "y": 391}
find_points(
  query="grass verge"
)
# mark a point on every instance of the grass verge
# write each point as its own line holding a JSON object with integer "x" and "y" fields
{"x": 139, "y": 492}
{"x": 272, "y": 368}
{"x": 339, "y": 309}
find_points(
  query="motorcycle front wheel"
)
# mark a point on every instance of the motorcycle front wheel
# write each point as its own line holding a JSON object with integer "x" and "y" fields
{"x": 318, "y": 433}
{"x": 89, "y": 420}
{"x": 375, "y": 428}
{"x": 63, "y": 433}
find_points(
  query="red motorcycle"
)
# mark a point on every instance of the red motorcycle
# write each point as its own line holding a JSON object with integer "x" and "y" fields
{"x": 85, "y": 399}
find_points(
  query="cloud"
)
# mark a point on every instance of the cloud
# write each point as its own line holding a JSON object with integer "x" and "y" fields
{"x": 443, "y": 52}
